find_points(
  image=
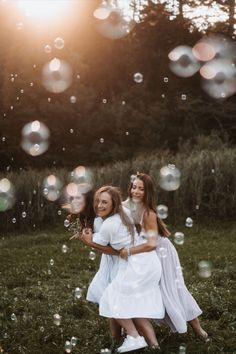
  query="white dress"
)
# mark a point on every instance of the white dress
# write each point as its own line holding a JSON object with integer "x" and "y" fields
{"x": 134, "y": 292}
{"x": 107, "y": 270}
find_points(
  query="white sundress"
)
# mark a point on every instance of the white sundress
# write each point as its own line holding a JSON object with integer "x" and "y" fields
{"x": 134, "y": 292}
{"x": 107, "y": 270}
{"x": 180, "y": 306}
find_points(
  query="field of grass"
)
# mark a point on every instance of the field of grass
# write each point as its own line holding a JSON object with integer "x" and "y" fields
{"x": 34, "y": 290}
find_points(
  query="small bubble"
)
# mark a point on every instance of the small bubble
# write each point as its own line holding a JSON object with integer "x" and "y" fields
{"x": 166, "y": 79}
{"x": 74, "y": 341}
{"x": 73, "y": 99}
{"x": 51, "y": 262}
{"x": 41, "y": 329}
{"x": 68, "y": 347}
{"x": 13, "y": 317}
{"x": 59, "y": 43}
{"x": 123, "y": 103}
{"x": 138, "y": 78}
{"x": 57, "y": 319}
{"x": 23, "y": 214}
{"x": 47, "y": 48}
{"x": 66, "y": 223}
{"x": 183, "y": 97}
{"x": 104, "y": 100}
{"x": 179, "y": 238}
{"x": 204, "y": 269}
{"x": 92, "y": 255}
{"x": 71, "y": 131}
{"x": 13, "y": 220}
{"x": 127, "y": 133}
{"x": 101, "y": 140}
{"x": 64, "y": 249}
{"x": 59, "y": 212}
{"x": 189, "y": 222}
{"x": 78, "y": 293}
{"x": 162, "y": 211}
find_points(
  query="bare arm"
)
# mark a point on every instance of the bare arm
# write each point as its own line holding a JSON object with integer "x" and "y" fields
{"x": 87, "y": 238}
{"x": 150, "y": 226}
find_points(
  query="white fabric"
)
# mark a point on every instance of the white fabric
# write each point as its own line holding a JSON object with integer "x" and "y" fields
{"x": 134, "y": 291}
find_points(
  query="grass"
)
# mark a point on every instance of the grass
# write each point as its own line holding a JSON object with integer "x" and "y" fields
{"x": 34, "y": 291}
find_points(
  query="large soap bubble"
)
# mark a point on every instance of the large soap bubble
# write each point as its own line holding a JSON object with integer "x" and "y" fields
{"x": 169, "y": 178}
{"x": 52, "y": 188}
{"x": 182, "y": 61}
{"x": 35, "y": 137}
{"x": 7, "y": 197}
{"x": 112, "y": 23}
{"x": 56, "y": 75}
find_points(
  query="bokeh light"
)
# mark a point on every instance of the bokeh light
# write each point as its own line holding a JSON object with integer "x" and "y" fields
{"x": 182, "y": 61}
{"x": 35, "y": 137}
{"x": 56, "y": 75}
{"x": 51, "y": 188}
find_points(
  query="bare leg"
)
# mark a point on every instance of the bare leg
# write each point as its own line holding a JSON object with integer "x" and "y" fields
{"x": 129, "y": 326}
{"x": 115, "y": 329}
{"x": 195, "y": 324}
{"x": 146, "y": 330}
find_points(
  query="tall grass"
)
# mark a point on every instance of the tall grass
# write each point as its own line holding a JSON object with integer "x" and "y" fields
{"x": 207, "y": 191}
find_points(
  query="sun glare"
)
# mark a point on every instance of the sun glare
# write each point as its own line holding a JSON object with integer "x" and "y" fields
{"x": 43, "y": 9}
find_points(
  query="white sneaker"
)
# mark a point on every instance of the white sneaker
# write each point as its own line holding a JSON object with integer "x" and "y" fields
{"x": 132, "y": 343}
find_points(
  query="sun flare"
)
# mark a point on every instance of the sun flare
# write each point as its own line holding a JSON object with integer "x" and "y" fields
{"x": 43, "y": 9}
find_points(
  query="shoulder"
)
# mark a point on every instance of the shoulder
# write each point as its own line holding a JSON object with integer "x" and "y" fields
{"x": 149, "y": 216}
{"x": 97, "y": 223}
{"x": 111, "y": 220}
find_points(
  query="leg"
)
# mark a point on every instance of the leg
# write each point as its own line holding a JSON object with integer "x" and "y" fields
{"x": 129, "y": 326}
{"x": 196, "y": 326}
{"x": 115, "y": 329}
{"x": 146, "y": 330}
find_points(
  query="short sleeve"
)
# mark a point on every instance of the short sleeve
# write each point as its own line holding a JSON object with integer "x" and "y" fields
{"x": 103, "y": 237}
{"x": 97, "y": 224}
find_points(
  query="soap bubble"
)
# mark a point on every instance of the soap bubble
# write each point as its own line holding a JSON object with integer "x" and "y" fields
{"x": 189, "y": 222}
{"x": 179, "y": 238}
{"x": 92, "y": 255}
{"x": 51, "y": 188}
{"x": 23, "y": 214}
{"x": 169, "y": 178}
{"x": 13, "y": 220}
{"x": 101, "y": 140}
{"x": 51, "y": 262}
{"x": 102, "y": 12}
{"x": 57, "y": 319}
{"x": 204, "y": 269}
{"x": 7, "y": 194}
{"x": 35, "y": 137}
{"x": 182, "y": 61}
{"x": 66, "y": 223}
{"x": 219, "y": 78}
{"x": 182, "y": 349}
{"x": 64, "y": 248}
{"x": 138, "y": 78}
{"x": 73, "y": 341}
{"x": 73, "y": 99}
{"x": 59, "y": 43}
{"x": 47, "y": 48}
{"x": 68, "y": 347}
{"x": 162, "y": 211}
{"x": 105, "y": 351}
{"x": 56, "y": 75}
{"x": 77, "y": 293}
{"x": 13, "y": 317}
{"x": 115, "y": 24}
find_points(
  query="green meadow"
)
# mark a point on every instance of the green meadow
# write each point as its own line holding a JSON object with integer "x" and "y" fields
{"x": 34, "y": 288}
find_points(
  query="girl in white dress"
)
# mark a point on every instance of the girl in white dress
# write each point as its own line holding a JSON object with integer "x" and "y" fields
{"x": 134, "y": 292}
{"x": 180, "y": 305}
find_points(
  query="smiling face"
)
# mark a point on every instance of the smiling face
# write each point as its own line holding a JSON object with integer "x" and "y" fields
{"x": 137, "y": 191}
{"x": 78, "y": 203}
{"x": 103, "y": 205}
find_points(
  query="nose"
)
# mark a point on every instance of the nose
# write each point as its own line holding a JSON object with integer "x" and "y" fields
{"x": 99, "y": 205}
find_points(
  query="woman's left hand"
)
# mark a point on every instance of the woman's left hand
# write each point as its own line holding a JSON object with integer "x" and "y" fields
{"x": 87, "y": 236}
{"x": 124, "y": 253}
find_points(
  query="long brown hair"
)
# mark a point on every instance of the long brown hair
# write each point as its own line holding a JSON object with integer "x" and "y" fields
{"x": 150, "y": 200}
{"x": 87, "y": 216}
{"x": 117, "y": 208}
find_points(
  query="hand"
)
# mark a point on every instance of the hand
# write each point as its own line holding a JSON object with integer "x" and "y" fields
{"x": 76, "y": 236}
{"x": 87, "y": 236}
{"x": 124, "y": 253}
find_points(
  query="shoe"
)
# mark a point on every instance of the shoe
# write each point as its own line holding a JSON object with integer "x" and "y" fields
{"x": 132, "y": 343}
